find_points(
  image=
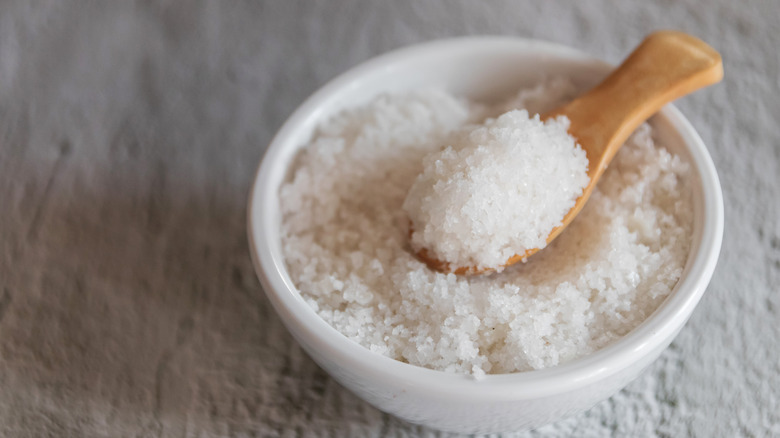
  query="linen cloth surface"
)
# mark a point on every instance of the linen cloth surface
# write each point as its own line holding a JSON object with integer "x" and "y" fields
{"x": 130, "y": 134}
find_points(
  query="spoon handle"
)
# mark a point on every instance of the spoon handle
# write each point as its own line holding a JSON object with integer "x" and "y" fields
{"x": 666, "y": 66}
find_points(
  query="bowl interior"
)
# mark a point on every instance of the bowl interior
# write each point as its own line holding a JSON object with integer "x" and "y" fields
{"x": 483, "y": 69}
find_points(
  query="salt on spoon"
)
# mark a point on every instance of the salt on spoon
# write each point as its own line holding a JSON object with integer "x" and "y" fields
{"x": 666, "y": 66}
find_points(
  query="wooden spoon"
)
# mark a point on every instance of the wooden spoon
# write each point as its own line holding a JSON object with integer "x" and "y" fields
{"x": 667, "y": 65}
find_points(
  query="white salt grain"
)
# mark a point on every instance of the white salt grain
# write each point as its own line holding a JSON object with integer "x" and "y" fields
{"x": 344, "y": 235}
{"x": 498, "y": 190}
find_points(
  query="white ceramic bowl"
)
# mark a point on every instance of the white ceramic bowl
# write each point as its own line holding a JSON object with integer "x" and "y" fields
{"x": 482, "y": 68}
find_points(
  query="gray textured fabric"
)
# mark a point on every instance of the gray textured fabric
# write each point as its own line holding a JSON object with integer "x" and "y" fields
{"x": 129, "y": 136}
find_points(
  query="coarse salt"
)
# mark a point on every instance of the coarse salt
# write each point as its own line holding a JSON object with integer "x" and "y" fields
{"x": 498, "y": 190}
{"x": 345, "y": 239}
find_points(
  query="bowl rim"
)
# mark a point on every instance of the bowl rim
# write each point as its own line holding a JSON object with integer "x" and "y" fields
{"x": 661, "y": 325}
